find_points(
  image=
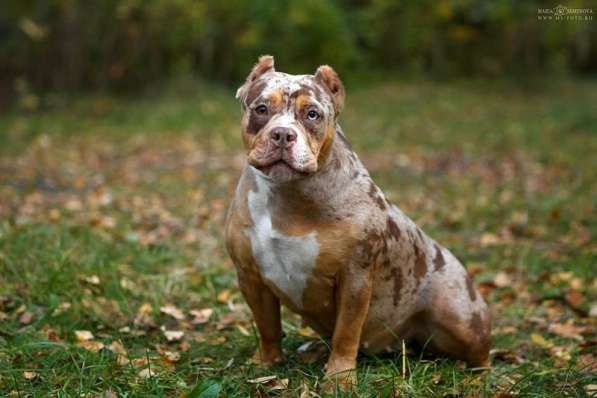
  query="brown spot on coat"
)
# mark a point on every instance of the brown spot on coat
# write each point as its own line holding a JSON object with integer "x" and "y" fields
{"x": 420, "y": 263}
{"x": 439, "y": 258}
{"x": 393, "y": 228}
{"x": 377, "y": 199}
{"x": 380, "y": 202}
{"x": 471, "y": 288}
{"x": 255, "y": 91}
{"x": 420, "y": 234}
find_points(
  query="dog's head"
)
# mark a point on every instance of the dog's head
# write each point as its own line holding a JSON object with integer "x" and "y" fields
{"x": 289, "y": 121}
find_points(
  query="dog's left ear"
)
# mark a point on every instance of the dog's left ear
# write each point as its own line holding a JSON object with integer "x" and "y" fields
{"x": 264, "y": 64}
{"x": 329, "y": 78}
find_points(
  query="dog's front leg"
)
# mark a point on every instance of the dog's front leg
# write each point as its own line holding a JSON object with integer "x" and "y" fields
{"x": 353, "y": 295}
{"x": 265, "y": 307}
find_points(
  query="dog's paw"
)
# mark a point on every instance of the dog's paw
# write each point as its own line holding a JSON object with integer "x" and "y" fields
{"x": 339, "y": 382}
{"x": 267, "y": 359}
{"x": 339, "y": 376}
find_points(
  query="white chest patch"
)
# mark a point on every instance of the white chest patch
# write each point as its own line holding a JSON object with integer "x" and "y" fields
{"x": 285, "y": 261}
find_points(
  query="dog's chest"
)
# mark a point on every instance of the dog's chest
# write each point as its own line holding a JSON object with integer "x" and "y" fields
{"x": 285, "y": 261}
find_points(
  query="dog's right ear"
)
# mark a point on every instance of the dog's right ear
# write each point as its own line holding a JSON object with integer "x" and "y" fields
{"x": 264, "y": 65}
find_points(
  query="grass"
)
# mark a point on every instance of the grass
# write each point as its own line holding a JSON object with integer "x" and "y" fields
{"x": 111, "y": 216}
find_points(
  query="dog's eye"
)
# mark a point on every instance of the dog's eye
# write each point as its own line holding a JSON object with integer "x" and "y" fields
{"x": 261, "y": 110}
{"x": 313, "y": 115}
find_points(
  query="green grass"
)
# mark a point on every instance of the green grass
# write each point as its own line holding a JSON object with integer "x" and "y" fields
{"x": 109, "y": 205}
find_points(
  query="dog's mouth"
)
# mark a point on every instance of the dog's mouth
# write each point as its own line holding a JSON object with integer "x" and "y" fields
{"x": 281, "y": 165}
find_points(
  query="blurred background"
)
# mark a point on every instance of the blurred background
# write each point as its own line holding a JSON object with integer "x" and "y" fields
{"x": 120, "y": 150}
{"x": 126, "y": 44}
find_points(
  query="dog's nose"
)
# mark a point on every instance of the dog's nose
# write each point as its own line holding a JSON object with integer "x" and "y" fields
{"x": 282, "y": 136}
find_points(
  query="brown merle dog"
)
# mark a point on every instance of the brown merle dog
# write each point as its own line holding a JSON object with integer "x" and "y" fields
{"x": 308, "y": 228}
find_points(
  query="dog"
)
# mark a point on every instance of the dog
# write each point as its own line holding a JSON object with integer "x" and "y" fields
{"x": 308, "y": 228}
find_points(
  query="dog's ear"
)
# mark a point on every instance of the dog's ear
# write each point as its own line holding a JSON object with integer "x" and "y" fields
{"x": 264, "y": 64}
{"x": 330, "y": 79}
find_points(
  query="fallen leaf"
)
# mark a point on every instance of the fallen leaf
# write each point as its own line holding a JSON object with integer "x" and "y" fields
{"x": 224, "y": 295}
{"x": 593, "y": 310}
{"x": 277, "y": 385}
{"x": 502, "y": 280}
{"x": 92, "y": 280}
{"x": 60, "y": 308}
{"x": 567, "y": 330}
{"x": 122, "y": 360}
{"x": 172, "y": 335}
{"x": 171, "y": 356}
{"x": 83, "y": 335}
{"x": 217, "y": 340}
{"x": 201, "y": 316}
{"x": 541, "y": 341}
{"x": 117, "y": 347}
{"x": 143, "y": 317}
{"x": 147, "y": 373}
{"x": 26, "y": 318}
{"x": 30, "y": 375}
{"x": 173, "y": 311}
{"x": 489, "y": 239}
{"x": 93, "y": 346}
{"x": 311, "y": 351}
{"x": 262, "y": 380}
{"x": 243, "y": 330}
{"x": 574, "y": 298}
{"x": 587, "y": 363}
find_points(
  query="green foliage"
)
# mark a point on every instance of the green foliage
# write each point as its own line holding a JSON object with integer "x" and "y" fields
{"x": 122, "y": 44}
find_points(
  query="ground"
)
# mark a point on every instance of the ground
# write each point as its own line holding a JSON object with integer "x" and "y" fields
{"x": 114, "y": 280}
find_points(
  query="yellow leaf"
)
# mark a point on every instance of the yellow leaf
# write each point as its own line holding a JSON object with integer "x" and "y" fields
{"x": 83, "y": 335}
{"x": 224, "y": 295}
{"x": 30, "y": 375}
{"x": 541, "y": 341}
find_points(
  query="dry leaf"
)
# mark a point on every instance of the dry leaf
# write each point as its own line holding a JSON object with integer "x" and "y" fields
{"x": 243, "y": 330}
{"x": 122, "y": 360}
{"x": 143, "y": 316}
{"x": 83, "y": 335}
{"x": 489, "y": 239}
{"x": 262, "y": 380}
{"x": 117, "y": 347}
{"x": 172, "y": 335}
{"x": 502, "y": 280}
{"x": 93, "y": 346}
{"x": 30, "y": 375}
{"x": 311, "y": 352}
{"x": 574, "y": 298}
{"x": 217, "y": 340}
{"x": 201, "y": 316}
{"x": 61, "y": 308}
{"x": 541, "y": 341}
{"x": 173, "y": 311}
{"x": 567, "y": 330}
{"x": 92, "y": 280}
{"x": 593, "y": 310}
{"x": 587, "y": 363}
{"x": 147, "y": 373}
{"x": 224, "y": 295}
{"x": 306, "y": 332}
{"x": 277, "y": 385}
{"x": 168, "y": 355}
